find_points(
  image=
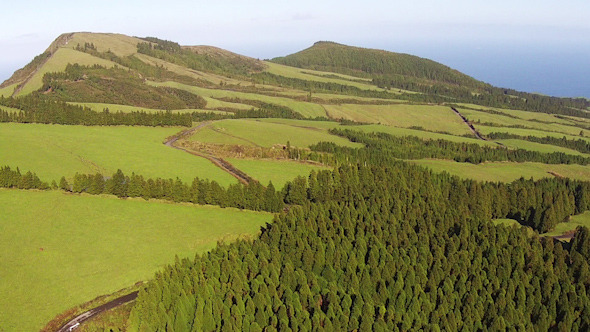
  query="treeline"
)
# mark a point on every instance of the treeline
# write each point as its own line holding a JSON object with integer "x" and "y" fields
{"x": 318, "y": 87}
{"x": 154, "y": 72}
{"x": 115, "y": 86}
{"x": 263, "y": 109}
{"x": 252, "y": 196}
{"x": 579, "y": 145}
{"x": 384, "y": 146}
{"x": 37, "y": 108}
{"x": 390, "y": 248}
{"x": 219, "y": 61}
{"x": 14, "y": 179}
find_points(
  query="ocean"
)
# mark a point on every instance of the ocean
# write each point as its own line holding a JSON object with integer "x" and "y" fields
{"x": 552, "y": 69}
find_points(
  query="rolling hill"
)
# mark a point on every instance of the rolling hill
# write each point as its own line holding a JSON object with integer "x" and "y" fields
{"x": 346, "y": 145}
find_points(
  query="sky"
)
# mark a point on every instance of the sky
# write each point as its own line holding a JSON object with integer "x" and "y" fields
{"x": 445, "y": 31}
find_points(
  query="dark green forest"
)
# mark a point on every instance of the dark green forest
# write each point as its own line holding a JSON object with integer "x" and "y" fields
{"x": 382, "y": 248}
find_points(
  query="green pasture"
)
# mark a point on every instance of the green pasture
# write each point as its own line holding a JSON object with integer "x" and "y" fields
{"x": 59, "y": 250}
{"x": 318, "y": 76}
{"x": 431, "y": 118}
{"x": 265, "y": 134}
{"x": 533, "y": 146}
{"x": 575, "y": 221}
{"x": 397, "y": 131}
{"x": 501, "y": 120}
{"x": 277, "y": 171}
{"x": 99, "y": 107}
{"x": 304, "y": 108}
{"x": 58, "y": 62}
{"x": 486, "y": 130}
{"x": 53, "y": 151}
{"x": 180, "y": 70}
{"x": 213, "y": 103}
{"x": 8, "y": 90}
{"x": 505, "y": 171}
{"x": 523, "y": 115}
{"x": 119, "y": 44}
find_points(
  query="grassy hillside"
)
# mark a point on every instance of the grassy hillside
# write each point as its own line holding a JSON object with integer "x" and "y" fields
{"x": 277, "y": 171}
{"x": 306, "y": 109}
{"x": 53, "y": 151}
{"x": 431, "y": 118}
{"x": 362, "y": 62}
{"x": 266, "y": 134}
{"x": 86, "y": 246}
{"x": 57, "y": 63}
{"x": 506, "y": 171}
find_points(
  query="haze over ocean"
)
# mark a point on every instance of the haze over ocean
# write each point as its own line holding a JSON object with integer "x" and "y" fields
{"x": 551, "y": 69}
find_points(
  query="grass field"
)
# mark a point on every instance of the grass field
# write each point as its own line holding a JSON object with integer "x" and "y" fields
{"x": 533, "y": 146}
{"x": 266, "y": 134}
{"x": 502, "y": 120}
{"x": 53, "y": 151}
{"x": 213, "y": 78}
{"x": 86, "y": 246}
{"x": 214, "y": 103}
{"x": 432, "y": 118}
{"x": 8, "y": 90}
{"x": 505, "y": 171}
{"x": 99, "y": 107}
{"x": 524, "y": 115}
{"x": 527, "y": 132}
{"x": 277, "y": 171}
{"x": 119, "y": 44}
{"x": 396, "y": 131}
{"x": 318, "y": 76}
{"x": 58, "y": 62}
{"x": 575, "y": 221}
{"x": 306, "y": 109}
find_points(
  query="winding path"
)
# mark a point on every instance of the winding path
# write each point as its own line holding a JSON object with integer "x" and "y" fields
{"x": 75, "y": 323}
{"x": 219, "y": 162}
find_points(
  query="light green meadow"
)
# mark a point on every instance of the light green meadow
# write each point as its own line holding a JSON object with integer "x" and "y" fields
{"x": 277, "y": 171}
{"x": 431, "y": 118}
{"x": 505, "y": 171}
{"x": 53, "y": 151}
{"x": 58, "y": 62}
{"x": 265, "y": 134}
{"x": 306, "y": 109}
{"x": 58, "y": 250}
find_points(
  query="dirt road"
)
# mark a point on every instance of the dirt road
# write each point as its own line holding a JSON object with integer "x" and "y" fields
{"x": 473, "y": 130}
{"x": 219, "y": 162}
{"x": 75, "y": 323}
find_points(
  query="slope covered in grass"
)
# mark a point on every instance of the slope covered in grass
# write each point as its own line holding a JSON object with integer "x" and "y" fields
{"x": 506, "y": 171}
{"x": 53, "y": 151}
{"x": 266, "y": 134}
{"x": 86, "y": 246}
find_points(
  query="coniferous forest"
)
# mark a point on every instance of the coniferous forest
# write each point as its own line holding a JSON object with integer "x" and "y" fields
{"x": 382, "y": 248}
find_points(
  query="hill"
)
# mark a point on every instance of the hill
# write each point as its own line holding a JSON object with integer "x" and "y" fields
{"x": 404, "y": 71}
{"x": 385, "y": 173}
{"x": 375, "y": 64}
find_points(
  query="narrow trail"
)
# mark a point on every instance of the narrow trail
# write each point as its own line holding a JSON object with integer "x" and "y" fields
{"x": 219, "y": 162}
{"x": 75, "y": 323}
{"x": 473, "y": 130}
